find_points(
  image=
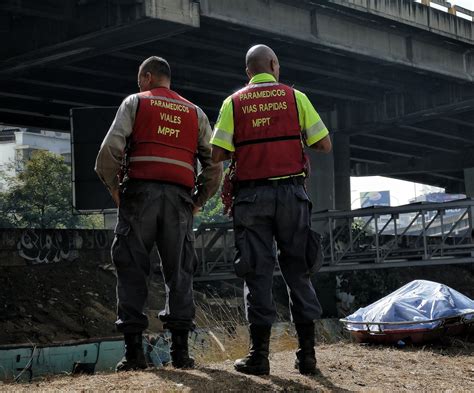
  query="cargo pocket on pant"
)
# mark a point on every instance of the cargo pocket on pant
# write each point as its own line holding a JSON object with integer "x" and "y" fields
{"x": 244, "y": 209}
{"x": 186, "y": 219}
{"x": 303, "y": 196}
{"x": 119, "y": 250}
{"x": 242, "y": 263}
{"x": 192, "y": 262}
{"x": 314, "y": 252}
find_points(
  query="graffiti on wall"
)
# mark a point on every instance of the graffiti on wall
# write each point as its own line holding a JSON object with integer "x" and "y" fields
{"x": 51, "y": 246}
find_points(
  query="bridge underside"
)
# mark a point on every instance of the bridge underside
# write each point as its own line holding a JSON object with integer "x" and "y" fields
{"x": 396, "y": 88}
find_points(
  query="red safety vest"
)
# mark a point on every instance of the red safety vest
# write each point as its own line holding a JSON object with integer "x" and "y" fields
{"x": 164, "y": 138}
{"x": 267, "y": 133}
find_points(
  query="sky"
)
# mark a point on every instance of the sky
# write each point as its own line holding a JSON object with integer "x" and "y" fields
{"x": 469, "y": 4}
{"x": 400, "y": 191}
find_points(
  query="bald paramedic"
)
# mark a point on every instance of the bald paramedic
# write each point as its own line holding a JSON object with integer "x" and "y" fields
{"x": 264, "y": 127}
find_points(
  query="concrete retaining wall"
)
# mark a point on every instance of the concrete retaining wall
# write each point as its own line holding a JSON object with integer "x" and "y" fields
{"x": 19, "y": 247}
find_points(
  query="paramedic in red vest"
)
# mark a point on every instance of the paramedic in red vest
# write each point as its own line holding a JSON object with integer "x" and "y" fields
{"x": 263, "y": 127}
{"x": 161, "y": 134}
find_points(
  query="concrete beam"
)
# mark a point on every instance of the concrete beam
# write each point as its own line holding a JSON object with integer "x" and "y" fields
{"x": 242, "y": 78}
{"x": 160, "y": 19}
{"x": 413, "y": 14}
{"x": 424, "y": 146}
{"x": 380, "y": 121}
{"x": 386, "y": 150}
{"x": 296, "y": 66}
{"x": 458, "y": 122}
{"x": 451, "y": 135}
{"x": 329, "y": 28}
{"x": 184, "y": 12}
{"x": 434, "y": 164}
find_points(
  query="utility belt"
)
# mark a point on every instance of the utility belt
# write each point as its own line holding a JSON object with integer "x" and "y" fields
{"x": 135, "y": 180}
{"x": 293, "y": 180}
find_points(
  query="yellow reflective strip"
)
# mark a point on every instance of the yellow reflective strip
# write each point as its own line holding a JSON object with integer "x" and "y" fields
{"x": 315, "y": 129}
{"x": 317, "y": 137}
{"x": 225, "y": 145}
{"x": 263, "y": 84}
{"x": 287, "y": 177}
{"x": 163, "y": 159}
{"x": 223, "y": 136}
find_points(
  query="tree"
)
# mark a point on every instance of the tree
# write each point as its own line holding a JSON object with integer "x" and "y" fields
{"x": 40, "y": 196}
{"x": 212, "y": 211}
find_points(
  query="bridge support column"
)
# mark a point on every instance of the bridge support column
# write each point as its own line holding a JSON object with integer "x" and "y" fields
{"x": 469, "y": 181}
{"x": 469, "y": 187}
{"x": 321, "y": 184}
{"x": 342, "y": 171}
{"x": 321, "y": 181}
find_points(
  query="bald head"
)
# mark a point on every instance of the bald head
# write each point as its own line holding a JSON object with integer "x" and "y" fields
{"x": 262, "y": 59}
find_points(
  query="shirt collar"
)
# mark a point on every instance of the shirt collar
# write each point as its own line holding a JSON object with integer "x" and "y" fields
{"x": 261, "y": 78}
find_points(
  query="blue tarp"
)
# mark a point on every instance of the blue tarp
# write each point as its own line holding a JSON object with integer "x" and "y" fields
{"x": 419, "y": 301}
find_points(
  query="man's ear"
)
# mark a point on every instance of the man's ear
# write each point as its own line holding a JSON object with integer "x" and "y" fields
{"x": 248, "y": 73}
{"x": 273, "y": 64}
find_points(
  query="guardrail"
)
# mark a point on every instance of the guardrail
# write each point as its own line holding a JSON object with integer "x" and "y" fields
{"x": 215, "y": 248}
{"x": 416, "y": 232}
{"x": 376, "y": 237}
{"x": 450, "y": 8}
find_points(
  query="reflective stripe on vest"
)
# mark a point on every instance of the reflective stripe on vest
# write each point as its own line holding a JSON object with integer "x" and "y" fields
{"x": 267, "y": 133}
{"x": 164, "y": 138}
{"x": 163, "y": 159}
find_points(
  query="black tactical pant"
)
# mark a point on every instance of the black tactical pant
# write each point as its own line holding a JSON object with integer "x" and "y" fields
{"x": 263, "y": 214}
{"x": 154, "y": 212}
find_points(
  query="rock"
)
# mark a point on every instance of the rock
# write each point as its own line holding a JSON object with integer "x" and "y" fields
{"x": 39, "y": 305}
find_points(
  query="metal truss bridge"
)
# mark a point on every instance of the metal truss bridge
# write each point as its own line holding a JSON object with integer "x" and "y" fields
{"x": 378, "y": 237}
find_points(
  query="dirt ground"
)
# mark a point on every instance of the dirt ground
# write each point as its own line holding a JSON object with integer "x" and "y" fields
{"x": 61, "y": 302}
{"x": 53, "y": 303}
{"x": 45, "y": 304}
{"x": 48, "y": 303}
{"x": 343, "y": 366}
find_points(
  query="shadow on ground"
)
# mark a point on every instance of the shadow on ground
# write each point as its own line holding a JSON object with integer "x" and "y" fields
{"x": 208, "y": 379}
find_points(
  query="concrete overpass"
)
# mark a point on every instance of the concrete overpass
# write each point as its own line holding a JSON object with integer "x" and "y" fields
{"x": 393, "y": 79}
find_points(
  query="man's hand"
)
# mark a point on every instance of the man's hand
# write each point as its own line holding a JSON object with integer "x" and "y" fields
{"x": 116, "y": 196}
{"x": 196, "y": 209}
{"x": 219, "y": 154}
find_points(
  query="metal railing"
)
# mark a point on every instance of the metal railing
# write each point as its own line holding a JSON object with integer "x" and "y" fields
{"x": 415, "y": 234}
{"x": 403, "y": 235}
{"x": 215, "y": 248}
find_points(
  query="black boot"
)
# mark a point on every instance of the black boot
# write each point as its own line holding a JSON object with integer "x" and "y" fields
{"x": 134, "y": 358}
{"x": 256, "y": 362}
{"x": 305, "y": 356}
{"x": 179, "y": 349}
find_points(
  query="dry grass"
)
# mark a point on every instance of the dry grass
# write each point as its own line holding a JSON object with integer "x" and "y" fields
{"x": 343, "y": 367}
{"x": 221, "y": 346}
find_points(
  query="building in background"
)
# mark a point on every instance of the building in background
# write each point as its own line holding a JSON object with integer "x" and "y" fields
{"x": 18, "y": 144}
